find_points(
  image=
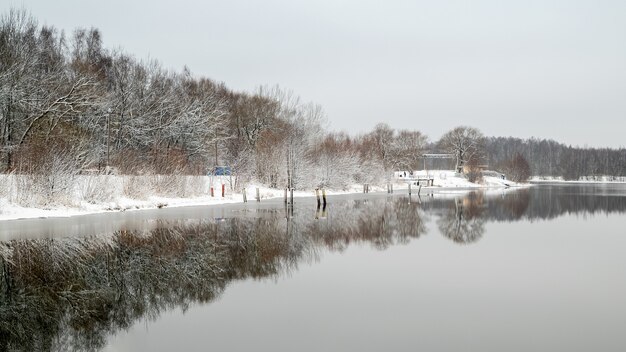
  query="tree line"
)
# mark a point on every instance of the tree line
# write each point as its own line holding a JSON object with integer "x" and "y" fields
{"x": 550, "y": 158}
{"x": 69, "y": 105}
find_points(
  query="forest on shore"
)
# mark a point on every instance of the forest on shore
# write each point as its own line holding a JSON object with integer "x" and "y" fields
{"x": 70, "y": 106}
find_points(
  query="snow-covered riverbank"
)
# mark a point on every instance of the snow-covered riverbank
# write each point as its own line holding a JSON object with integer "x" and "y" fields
{"x": 96, "y": 194}
{"x": 584, "y": 179}
{"x": 10, "y": 210}
{"x": 450, "y": 179}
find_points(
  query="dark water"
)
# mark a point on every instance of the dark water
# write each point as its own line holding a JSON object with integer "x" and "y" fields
{"x": 540, "y": 269}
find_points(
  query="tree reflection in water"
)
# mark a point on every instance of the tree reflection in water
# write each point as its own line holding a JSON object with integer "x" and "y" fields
{"x": 462, "y": 223}
{"x": 382, "y": 223}
{"x": 73, "y": 293}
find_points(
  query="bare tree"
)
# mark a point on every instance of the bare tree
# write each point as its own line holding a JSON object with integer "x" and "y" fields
{"x": 465, "y": 143}
{"x": 336, "y": 162}
{"x": 18, "y": 62}
{"x": 302, "y": 125}
{"x": 382, "y": 136}
{"x": 517, "y": 169}
{"x": 407, "y": 149}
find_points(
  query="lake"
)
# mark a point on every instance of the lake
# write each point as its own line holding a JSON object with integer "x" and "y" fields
{"x": 536, "y": 269}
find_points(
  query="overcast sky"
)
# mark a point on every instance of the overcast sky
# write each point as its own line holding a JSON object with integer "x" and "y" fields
{"x": 549, "y": 69}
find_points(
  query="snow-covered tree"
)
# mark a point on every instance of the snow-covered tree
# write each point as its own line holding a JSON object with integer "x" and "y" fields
{"x": 465, "y": 143}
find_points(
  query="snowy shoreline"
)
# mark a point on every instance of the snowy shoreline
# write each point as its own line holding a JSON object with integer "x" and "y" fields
{"x": 561, "y": 181}
{"x": 108, "y": 194}
{"x": 445, "y": 181}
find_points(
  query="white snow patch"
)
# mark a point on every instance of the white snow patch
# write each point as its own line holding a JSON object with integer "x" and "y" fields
{"x": 583, "y": 179}
{"x": 451, "y": 179}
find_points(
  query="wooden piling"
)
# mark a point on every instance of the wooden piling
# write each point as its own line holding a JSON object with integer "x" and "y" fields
{"x": 291, "y": 195}
{"x": 258, "y": 195}
{"x": 324, "y": 196}
{"x": 245, "y": 196}
{"x": 317, "y": 196}
{"x": 285, "y": 195}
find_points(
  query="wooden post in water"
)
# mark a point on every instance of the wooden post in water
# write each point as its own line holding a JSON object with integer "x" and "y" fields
{"x": 364, "y": 187}
{"x": 285, "y": 195}
{"x": 258, "y": 195}
{"x": 223, "y": 190}
{"x": 409, "y": 189}
{"x": 323, "y": 197}
{"x": 391, "y": 187}
{"x": 212, "y": 192}
{"x": 245, "y": 196}
{"x": 317, "y": 196}
{"x": 291, "y": 195}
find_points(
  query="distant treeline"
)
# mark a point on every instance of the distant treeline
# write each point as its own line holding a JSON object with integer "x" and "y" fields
{"x": 68, "y": 105}
{"x": 550, "y": 158}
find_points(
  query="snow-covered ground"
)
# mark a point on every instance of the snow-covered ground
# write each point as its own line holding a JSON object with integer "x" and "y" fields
{"x": 451, "y": 179}
{"x": 110, "y": 193}
{"x": 584, "y": 179}
{"x": 94, "y": 194}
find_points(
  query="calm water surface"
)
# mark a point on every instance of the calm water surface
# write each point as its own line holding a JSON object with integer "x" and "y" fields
{"x": 539, "y": 269}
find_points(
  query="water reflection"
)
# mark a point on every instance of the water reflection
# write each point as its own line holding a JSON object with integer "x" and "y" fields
{"x": 72, "y": 293}
{"x": 381, "y": 222}
{"x": 463, "y": 222}
{"x": 536, "y": 203}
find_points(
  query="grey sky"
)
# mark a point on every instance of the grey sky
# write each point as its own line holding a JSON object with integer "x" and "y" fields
{"x": 550, "y": 69}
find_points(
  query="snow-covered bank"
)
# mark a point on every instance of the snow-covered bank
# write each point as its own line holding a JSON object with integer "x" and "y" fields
{"x": 584, "y": 179}
{"x": 107, "y": 193}
{"x": 23, "y": 197}
{"x": 451, "y": 179}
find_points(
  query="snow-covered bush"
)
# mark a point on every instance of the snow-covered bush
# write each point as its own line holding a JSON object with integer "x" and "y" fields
{"x": 194, "y": 186}
{"x": 45, "y": 176}
{"x": 5, "y": 185}
{"x": 167, "y": 185}
{"x": 135, "y": 187}
{"x": 97, "y": 188}
{"x": 336, "y": 171}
